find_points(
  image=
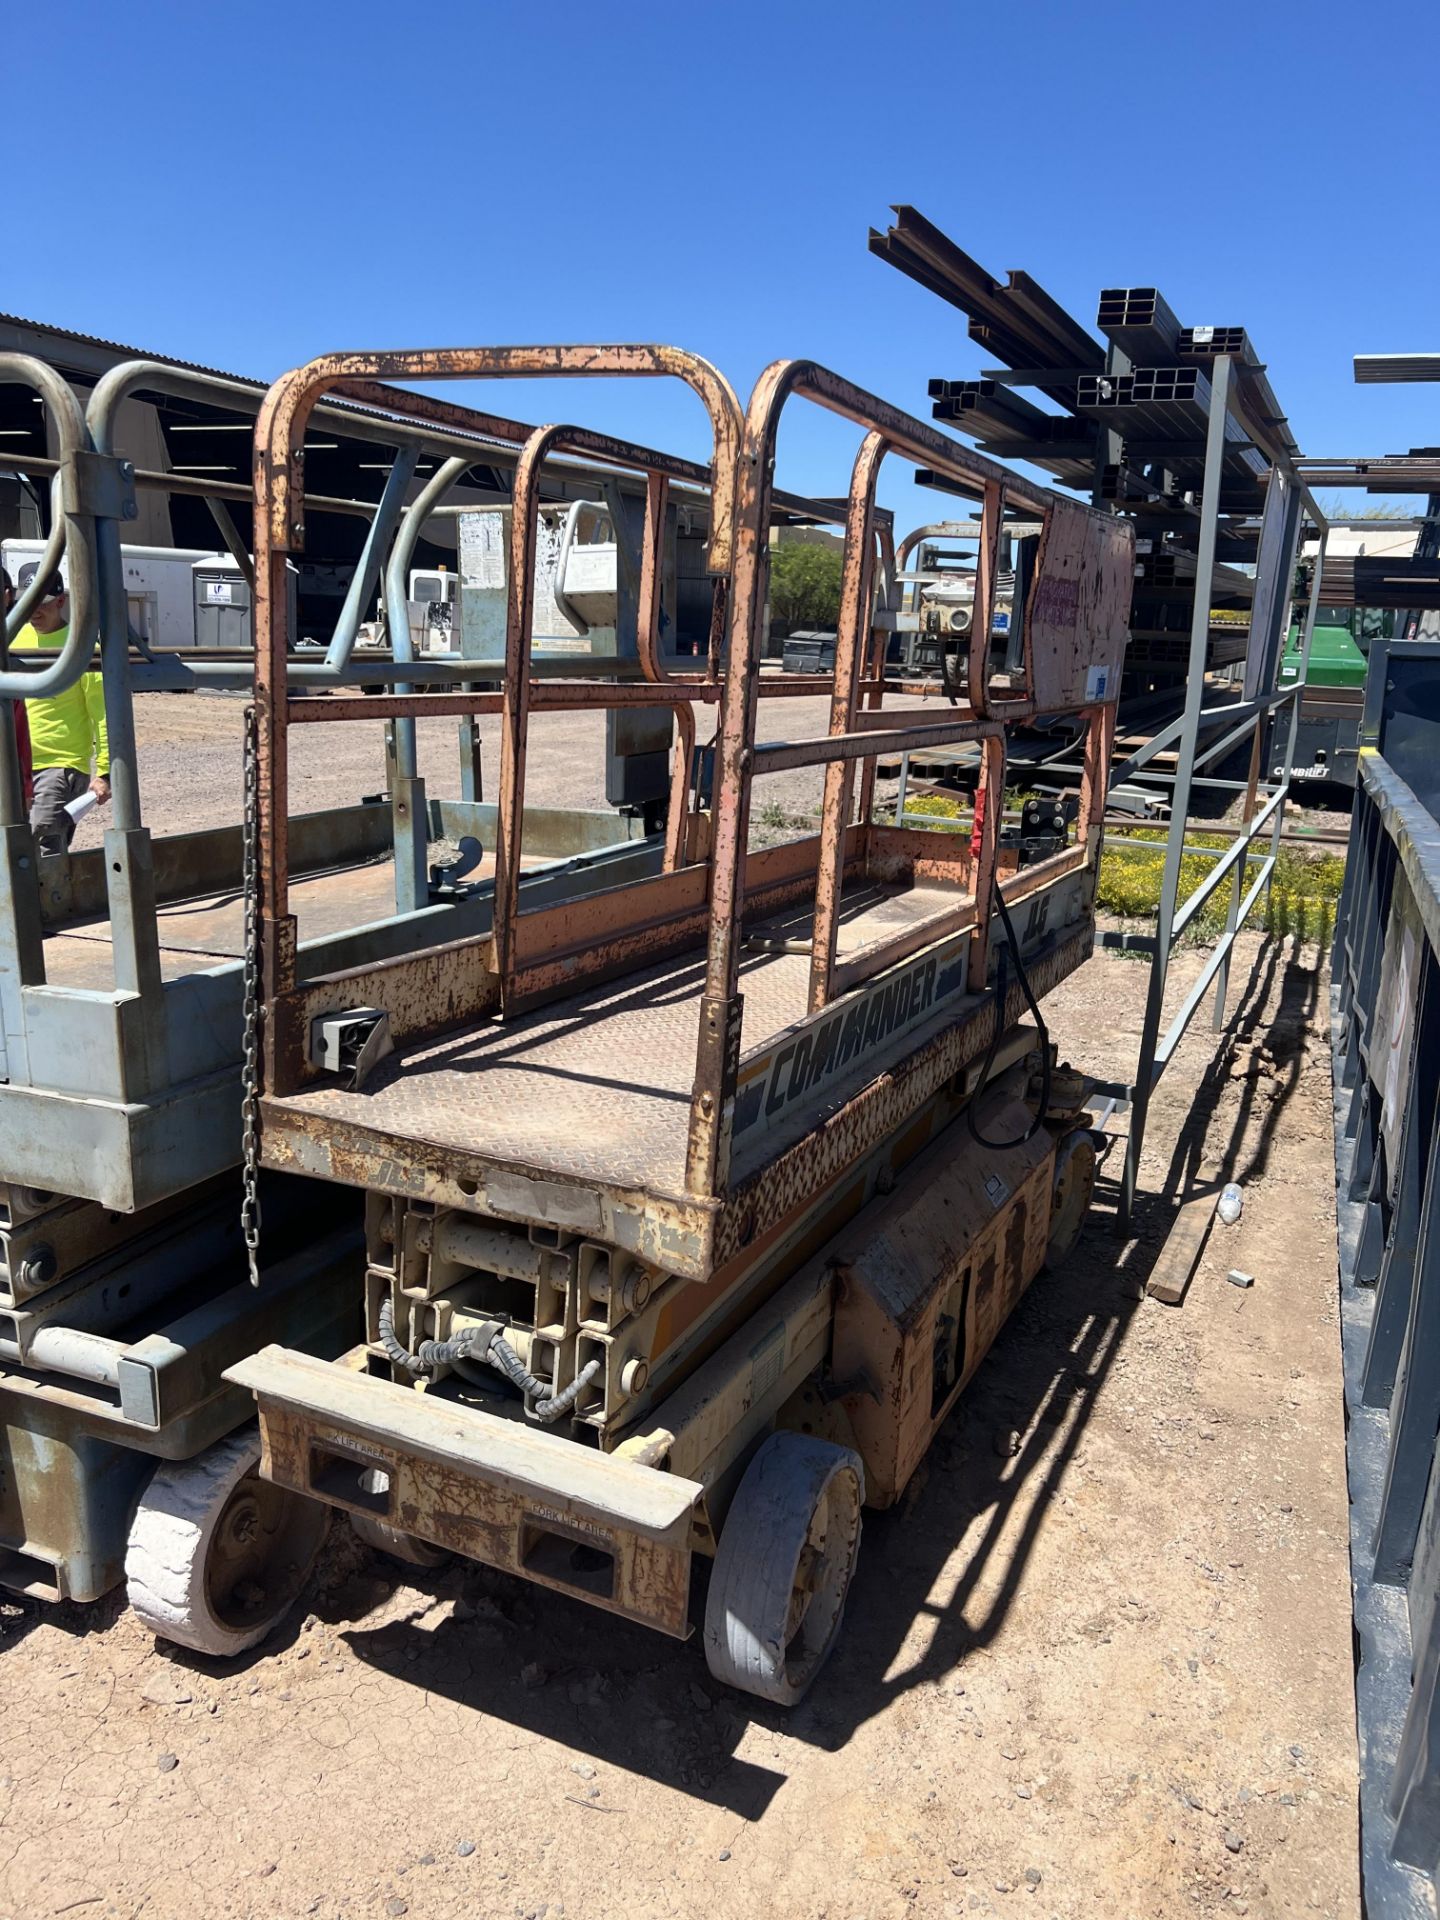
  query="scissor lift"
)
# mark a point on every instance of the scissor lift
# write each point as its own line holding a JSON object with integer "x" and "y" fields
{"x": 691, "y": 1206}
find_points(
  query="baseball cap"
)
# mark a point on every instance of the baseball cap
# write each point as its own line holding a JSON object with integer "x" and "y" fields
{"x": 54, "y": 586}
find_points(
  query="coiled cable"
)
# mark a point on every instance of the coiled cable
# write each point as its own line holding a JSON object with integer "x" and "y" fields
{"x": 485, "y": 1342}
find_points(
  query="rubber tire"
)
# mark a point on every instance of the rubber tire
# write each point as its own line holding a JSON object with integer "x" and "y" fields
{"x": 1076, "y": 1146}
{"x": 748, "y": 1608}
{"x": 399, "y": 1546}
{"x": 171, "y": 1533}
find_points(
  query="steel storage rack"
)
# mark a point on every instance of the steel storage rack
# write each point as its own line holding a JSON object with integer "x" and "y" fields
{"x": 1370, "y": 595}
{"x": 1132, "y": 434}
{"x": 1182, "y": 433}
{"x": 692, "y": 1206}
{"x": 1212, "y": 726}
{"x": 123, "y": 1284}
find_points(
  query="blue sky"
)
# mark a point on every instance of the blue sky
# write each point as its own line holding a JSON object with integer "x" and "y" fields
{"x": 249, "y": 186}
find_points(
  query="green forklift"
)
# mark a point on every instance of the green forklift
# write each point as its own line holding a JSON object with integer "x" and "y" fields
{"x": 1327, "y": 737}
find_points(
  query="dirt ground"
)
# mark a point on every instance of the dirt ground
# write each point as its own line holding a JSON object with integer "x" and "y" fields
{"x": 1097, "y": 1662}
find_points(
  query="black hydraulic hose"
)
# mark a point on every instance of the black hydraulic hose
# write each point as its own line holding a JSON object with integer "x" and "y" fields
{"x": 1002, "y": 987}
{"x": 556, "y": 1405}
{"x": 499, "y": 1353}
{"x": 401, "y": 1356}
{"x": 485, "y": 1343}
{"x": 472, "y": 1371}
{"x": 549, "y": 1405}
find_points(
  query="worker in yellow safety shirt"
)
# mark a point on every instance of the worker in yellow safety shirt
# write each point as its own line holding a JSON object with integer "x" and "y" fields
{"x": 71, "y": 753}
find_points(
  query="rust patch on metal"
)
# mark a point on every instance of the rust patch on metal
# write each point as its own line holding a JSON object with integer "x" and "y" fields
{"x": 856, "y": 589}
{"x": 422, "y": 992}
{"x": 670, "y": 1230}
{"x": 927, "y": 1285}
{"x": 646, "y": 1580}
{"x": 286, "y": 409}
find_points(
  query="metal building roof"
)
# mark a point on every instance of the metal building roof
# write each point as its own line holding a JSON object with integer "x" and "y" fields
{"x": 88, "y": 353}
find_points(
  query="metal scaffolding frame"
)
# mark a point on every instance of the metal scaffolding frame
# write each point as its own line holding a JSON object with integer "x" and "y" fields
{"x": 1289, "y": 504}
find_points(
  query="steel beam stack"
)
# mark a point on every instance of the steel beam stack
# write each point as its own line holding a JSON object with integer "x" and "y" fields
{"x": 1159, "y": 408}
{"x": 1415, "y": 472}
{"x": 1385, "y": 585}
{"x": 1130, "y": 430}
{"x": 1017, "y": 321}
{"x": 1385, "y": 581}
{"x": 1020, "y": 324}
{"x": 1139, "y": 322}
{"x": 1382, "y": 369}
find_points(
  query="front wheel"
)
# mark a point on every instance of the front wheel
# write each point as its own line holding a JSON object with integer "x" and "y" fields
{"x": 787, "y": 1552}
{"x": 217, "y": 1555}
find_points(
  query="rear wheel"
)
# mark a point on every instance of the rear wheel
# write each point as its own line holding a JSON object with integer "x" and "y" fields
{"x": 1071, "y": 1192}
{"x": 217, "y": 1555}
{"x": 787, "y": 1552}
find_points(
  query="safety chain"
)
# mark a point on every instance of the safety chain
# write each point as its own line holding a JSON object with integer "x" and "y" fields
{"x": 250, "y": 1052}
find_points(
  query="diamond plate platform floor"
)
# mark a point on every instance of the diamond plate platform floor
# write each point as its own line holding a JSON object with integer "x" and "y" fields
{"x": 597, "y": 1086}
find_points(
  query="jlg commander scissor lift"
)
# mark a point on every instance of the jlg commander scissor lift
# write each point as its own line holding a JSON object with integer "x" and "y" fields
{"x": 679, "y": 1239}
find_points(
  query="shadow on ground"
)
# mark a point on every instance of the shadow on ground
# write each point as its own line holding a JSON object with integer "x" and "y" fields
{"x": 1265, "y": 1072}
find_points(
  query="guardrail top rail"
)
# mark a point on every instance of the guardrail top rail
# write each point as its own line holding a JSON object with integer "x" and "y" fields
{"x": 713, "y": 885}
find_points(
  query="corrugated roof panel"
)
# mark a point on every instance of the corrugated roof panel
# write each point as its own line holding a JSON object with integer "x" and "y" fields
{"x": 118, "y": 348}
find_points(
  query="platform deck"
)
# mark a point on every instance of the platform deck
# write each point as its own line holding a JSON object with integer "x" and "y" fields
{"x": 598, "y": 1086}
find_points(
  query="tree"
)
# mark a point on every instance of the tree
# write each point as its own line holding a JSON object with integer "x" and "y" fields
{"x": 1337, "y": 508}
{"x": 804, "y": 586}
